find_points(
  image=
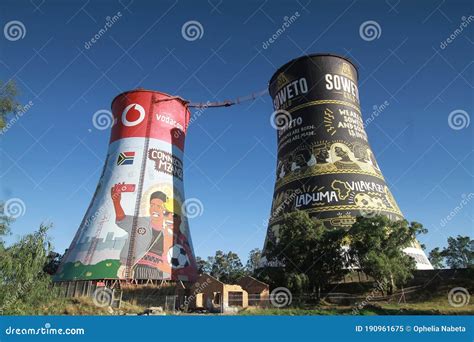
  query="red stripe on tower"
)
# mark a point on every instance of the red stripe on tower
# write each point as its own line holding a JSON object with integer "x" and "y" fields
{"x": 132, "y": 110}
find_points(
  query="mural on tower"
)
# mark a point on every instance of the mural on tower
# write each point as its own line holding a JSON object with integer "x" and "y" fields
{"x": 135, "y": 226}
{"x": 325, "y": 165}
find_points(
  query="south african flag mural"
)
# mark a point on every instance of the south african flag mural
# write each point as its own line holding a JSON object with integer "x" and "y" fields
{"x": 126, "y": 158}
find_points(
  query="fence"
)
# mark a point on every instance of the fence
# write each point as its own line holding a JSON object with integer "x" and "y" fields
{"x": 89, "y": 288}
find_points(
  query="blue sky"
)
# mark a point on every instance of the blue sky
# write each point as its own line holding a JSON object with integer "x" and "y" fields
{"x": 51, "y": 158}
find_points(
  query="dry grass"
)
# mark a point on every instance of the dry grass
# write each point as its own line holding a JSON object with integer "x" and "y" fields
{"x": 83, "y": 306}
{"x": 437, "y": 306}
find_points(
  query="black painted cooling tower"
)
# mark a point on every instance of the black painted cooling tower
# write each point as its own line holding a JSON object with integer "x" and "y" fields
{"x": 325, "y": 164}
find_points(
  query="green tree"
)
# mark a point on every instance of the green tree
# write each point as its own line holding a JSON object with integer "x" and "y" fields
{"x": 226, "y": 267}
{"x": 216, "y": 264}
{"x": 436, "y": 258}
{"x": 8, "y": 103}
{"x": 459, "y": 252}
{"x": 203, "y": 266}
{"x": 235, "y": 269}
{"x": 5, "y": 222}
{"x": 376, "y": 245}
{"x": 53, "y": 261}
{"x": 253, "y": 262}
{"x": 25, "y": 286}
{"x": 310, "y": 255}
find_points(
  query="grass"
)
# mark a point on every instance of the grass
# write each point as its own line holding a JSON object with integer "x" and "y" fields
{"x": 320, "y": 311}
{"x": 435, "y": 306}
{"x": 78, "y": 306}
{"x": 439, "y": 306}
{"x": 432, "y": 299}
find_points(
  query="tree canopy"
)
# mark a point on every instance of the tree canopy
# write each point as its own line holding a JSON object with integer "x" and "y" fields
{"x": 254, "y": 261}
{"x": 25, "y": 285}
{"x": 436, "y": 258}
{"x": 225, "y": 267}
{"x": 310, "y": 254}
{"x": 376, "y": 246}
{"x": 458, "y": 254}
{"x": 8, "y": 102}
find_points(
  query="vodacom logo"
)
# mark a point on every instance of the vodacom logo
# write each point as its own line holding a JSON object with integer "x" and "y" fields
{"x": 135, "y": 122}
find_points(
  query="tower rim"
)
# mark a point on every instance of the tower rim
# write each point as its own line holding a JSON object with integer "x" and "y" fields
{"x": 316, "y": 54}
{"x": 143, "y": 90}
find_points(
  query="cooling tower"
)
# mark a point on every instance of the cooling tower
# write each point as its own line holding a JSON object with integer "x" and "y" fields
{"x": 135, "y": 227}
{"x": 325, "y": 165}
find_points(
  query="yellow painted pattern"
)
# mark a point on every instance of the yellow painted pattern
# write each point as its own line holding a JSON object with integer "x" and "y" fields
{"x": 320, "y": 102}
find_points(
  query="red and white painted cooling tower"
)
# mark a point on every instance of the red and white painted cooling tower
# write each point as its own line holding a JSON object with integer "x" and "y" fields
{"x": 135, "y": 226}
